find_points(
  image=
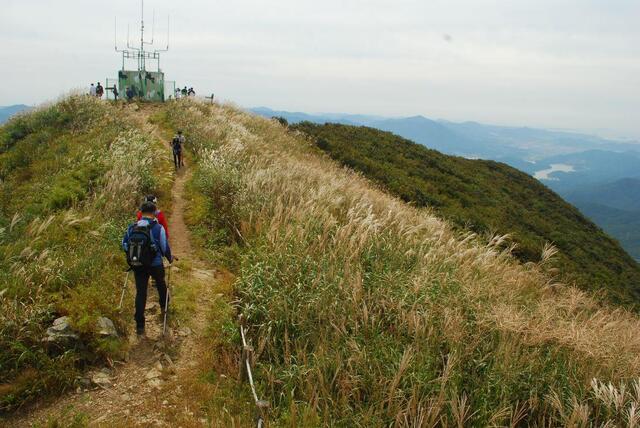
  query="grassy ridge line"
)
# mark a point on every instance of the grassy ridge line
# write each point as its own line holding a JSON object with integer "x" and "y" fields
{"x": 368, "y": 311}
{"x": 71, "y": 176}
{"x": 488, "y": 196}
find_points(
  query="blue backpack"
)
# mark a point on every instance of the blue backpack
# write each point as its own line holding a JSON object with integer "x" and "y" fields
{"x": 141, "y": 248}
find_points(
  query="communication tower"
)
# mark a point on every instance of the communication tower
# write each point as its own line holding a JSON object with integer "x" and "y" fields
{"x": 143, "y": 83}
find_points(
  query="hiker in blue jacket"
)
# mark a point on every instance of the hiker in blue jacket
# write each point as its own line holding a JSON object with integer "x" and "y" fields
{"x": 145, "y": 243}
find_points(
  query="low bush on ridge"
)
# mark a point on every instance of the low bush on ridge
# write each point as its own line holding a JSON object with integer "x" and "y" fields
{"x": 366, "y": 311}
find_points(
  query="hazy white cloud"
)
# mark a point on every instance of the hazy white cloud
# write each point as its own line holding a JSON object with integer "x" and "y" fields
{"x": 556, "y": 63}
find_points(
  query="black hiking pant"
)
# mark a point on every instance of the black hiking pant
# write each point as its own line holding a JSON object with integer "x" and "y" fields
{"x": 177, "y": 159}
{"x": 142, "y": 282}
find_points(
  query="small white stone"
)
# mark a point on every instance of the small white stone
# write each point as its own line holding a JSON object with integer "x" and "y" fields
{"x": 152, "y": 374}
{"x": 155, "y": 383}
{"x": 101, "y": 379}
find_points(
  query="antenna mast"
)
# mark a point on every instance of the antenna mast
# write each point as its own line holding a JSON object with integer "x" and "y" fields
{"x": 142, "y": 64}
{"x": 140, "y": 54}
{"x": 140, "y": 82}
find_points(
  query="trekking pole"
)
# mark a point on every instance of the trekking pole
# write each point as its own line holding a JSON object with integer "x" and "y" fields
{"x": 166, "y": 303}
{"x": 124, "y": 288}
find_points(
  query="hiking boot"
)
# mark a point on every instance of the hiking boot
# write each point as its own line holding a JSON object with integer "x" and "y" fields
{"x": 140, "y": 331}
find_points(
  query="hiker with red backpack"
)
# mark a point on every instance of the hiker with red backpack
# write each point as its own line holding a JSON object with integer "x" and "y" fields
{"x": 145, "y": 244}
{"x": 159, "y": 215}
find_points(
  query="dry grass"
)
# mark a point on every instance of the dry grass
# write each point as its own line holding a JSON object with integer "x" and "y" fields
{"x": 372, "y": 312}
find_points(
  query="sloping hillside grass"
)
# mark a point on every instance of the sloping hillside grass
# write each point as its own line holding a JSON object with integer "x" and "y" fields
{"x": 366, "y": 311}
{"x": 487, "y": 197}
{"x": 71, "y": 175}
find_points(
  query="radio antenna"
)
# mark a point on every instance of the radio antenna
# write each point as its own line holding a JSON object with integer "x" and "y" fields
{"x": 142, "y": 24}
{"x": 153, "y": 26}
{"x": 141, "y": 82}
{"x": 139, "y": 53}
{"x": 167, "y": 32}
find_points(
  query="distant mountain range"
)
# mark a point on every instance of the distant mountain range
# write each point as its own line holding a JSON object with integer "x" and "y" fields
{"x": 581, "y": 168}
{"x": 615, "y": 207}
{"x": 622, "y": 194}
{"x": 470, "y": 139}
{"x": 591, "y": 167}
{"x": 8, "y": 111}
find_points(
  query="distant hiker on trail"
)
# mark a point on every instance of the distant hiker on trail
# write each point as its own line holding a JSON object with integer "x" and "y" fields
{"x": 145, "y": 244}
{"x": 115, "y": 92}
{"x": 178, "y": 93}
{"x": 191, "y": 92}
{"x": 176, "y": 144}
{"x": 92, "y": 90}
{"x": 99, "y": 90}
{"x": 129, "y": 93}
{"x": 184, "y": 91}
{"x": 159, "y": 215}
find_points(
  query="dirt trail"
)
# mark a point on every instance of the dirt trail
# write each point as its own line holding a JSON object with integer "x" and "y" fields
{"x": 155, "y": 385}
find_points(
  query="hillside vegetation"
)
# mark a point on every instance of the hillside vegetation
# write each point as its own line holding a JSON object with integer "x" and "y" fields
{"x": 363, "y": 310}
{"x": 70, "y": 178}
{"x": 487, "y": 197}
{"x": 366, "y": 311}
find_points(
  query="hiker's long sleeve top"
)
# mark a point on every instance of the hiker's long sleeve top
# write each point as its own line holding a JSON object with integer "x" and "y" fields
{"x": 159, "y": 237}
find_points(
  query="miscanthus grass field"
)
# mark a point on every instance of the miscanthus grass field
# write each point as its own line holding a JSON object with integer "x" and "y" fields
{"x": 71, "y": 175}
{"x": 365, "y": 311}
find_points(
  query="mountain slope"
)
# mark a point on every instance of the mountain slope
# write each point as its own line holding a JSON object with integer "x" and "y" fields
{"x": 366, "y": 311}
{"x": 622, "y": 224}
{"x": 67, "y": 190}
{"x": 621, "y": 194}
{"x": 433, "y": 134}
{"x": 592, "y": 167}
{"x": 488, "y": 197}
{"x": 362, "y": 309}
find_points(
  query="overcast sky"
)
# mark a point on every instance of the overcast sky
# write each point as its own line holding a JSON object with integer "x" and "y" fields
{"x": 572, "y": 64}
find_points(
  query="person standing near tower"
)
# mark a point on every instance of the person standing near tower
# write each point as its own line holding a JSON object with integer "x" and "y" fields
{"x": 99, "y": 90}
